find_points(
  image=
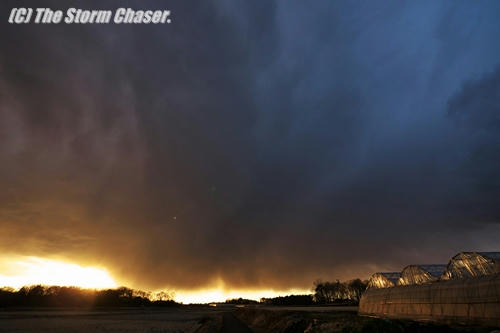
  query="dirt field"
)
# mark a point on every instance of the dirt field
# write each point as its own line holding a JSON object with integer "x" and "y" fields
{"x": 134, "y": 320}
{"x": 208, "y": 320}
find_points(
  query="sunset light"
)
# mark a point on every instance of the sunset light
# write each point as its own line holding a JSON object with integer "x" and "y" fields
{"x": 221, "y": 295}
{"x": 25, "y": 271}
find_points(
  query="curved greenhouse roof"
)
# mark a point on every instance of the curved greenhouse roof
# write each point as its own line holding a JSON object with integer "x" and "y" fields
{"x": 472, "y": 264}
{"x": 384, "y": 280}
{"x": 420, "y": 274}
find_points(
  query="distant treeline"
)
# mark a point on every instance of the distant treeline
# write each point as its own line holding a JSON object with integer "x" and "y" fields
{"x": 289, "y": 300}
{"x": 241, "y": 301}
{"x": 348, "y": 292}
{"x": 55, "y": 296}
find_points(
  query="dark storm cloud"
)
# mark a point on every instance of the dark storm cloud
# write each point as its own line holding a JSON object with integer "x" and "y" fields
{"x": 250, "y": 141}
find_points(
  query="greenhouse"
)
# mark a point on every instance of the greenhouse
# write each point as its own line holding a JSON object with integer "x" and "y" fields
{"x": 420, "y": 274}
{"x": 384, "y": 280}
{"x": 472, "y": 301}
{"x": 472, "y": 264}
{"x": 466, "y": 291}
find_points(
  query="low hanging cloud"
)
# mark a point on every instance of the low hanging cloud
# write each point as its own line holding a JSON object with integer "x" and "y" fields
{"x": 247, "y": 142}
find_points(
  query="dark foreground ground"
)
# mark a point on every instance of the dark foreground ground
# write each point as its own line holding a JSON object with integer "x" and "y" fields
{"x": 208, "y": 319}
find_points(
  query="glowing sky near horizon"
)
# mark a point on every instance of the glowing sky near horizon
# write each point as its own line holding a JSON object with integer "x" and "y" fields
{"x": 25, "y": 271}
{"x": 220, "y": 295}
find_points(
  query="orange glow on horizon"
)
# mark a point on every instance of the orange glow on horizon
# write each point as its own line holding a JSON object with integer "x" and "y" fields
{"x": 222, "y": 294}
{"x": 17, "y": 272}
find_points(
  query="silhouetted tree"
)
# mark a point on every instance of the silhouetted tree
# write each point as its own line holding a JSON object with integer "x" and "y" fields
{"x": 164, "y": 296}
{"x": 338, "y": 292}
{"x": 356, "y": 287}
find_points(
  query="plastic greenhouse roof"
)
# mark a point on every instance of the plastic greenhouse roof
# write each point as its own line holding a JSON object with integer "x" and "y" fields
{"x": 435, "y": 270}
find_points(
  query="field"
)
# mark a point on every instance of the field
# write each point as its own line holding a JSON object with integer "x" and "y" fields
{"x": 204, "y": 319}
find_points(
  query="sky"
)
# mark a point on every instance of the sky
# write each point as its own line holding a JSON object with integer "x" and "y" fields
{"x": 252, "y": 144}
